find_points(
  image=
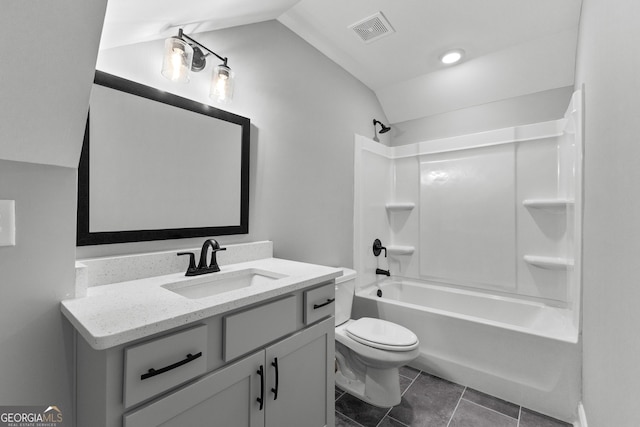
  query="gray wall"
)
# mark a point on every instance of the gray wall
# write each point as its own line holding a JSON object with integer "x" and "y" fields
{"x": 303, "y": 120}
{"x": 522, "y": 110}
{"x": 304, "y": 111}
{"x": 608, "y": 63}
{"x": 43, "y": 104}
{"x": 35, "y": 275}
{"x": 47, "y": 58}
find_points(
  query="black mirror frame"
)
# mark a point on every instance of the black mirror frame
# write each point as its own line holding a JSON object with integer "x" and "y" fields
{"x": 85, "y": 237}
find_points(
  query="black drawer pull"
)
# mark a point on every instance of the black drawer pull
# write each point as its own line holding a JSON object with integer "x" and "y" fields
{"x": 275, "y": 390}
{"x": 261, "y": 398}
{"x": 153, "y": 372}
{"x": 329, "y": 301}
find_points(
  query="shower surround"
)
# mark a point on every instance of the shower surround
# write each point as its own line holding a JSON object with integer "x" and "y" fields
{"x": 491, "y": 224}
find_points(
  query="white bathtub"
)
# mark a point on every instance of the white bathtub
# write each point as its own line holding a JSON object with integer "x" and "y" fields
{"x": 522, "y": 351}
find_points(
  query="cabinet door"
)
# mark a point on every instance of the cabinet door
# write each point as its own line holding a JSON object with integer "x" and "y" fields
{"x": 225, "y": 398}
{"x": 305, "y": 379}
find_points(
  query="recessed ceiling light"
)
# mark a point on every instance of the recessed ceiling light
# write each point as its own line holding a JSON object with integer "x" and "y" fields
{"x": 452, "y": 56}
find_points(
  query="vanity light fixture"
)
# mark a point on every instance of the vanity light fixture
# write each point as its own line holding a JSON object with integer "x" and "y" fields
{"x": 452, "y": 56}
{"x": 182, "y": 55}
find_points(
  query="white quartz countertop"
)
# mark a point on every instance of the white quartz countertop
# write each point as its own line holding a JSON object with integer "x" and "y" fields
{"x": 119, "y": 313}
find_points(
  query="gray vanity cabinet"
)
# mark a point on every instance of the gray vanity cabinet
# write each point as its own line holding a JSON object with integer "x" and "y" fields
{"x": 298, "y": 369}
{"x": 305, "y": 379}
{"x": 270, "y": 364}
{"x": 218, "y": 399}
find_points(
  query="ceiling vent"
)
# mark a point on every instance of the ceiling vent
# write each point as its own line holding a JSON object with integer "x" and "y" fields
{"x": 372, "y": 28}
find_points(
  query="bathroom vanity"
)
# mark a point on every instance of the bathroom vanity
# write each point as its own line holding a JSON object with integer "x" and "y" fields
{"x": 252, "y": 345}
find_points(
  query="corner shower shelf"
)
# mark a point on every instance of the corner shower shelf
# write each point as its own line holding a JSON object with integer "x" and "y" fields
{"x": 400, "y": 250}
{"x": 400, "y": 206}
{"x": 550, "y": 263}
{"x": 554, "y": 205}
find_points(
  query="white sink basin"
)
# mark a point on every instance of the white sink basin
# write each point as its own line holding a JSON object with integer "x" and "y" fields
{"x": 217, "y": 283}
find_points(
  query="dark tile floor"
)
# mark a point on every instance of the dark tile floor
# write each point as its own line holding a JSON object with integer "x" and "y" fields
{"x": 429, "y": 401}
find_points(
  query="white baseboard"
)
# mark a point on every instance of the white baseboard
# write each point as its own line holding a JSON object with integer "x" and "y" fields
{"x": 582, "y": 417}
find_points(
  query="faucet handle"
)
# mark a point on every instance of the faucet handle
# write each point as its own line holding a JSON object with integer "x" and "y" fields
{"x": 213, "y": 265}
{"x": 192, "y": 261}
{"x": 377, "y": 248}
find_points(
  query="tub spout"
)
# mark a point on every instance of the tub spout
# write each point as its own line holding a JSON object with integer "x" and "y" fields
{"x": 383, "y": 272}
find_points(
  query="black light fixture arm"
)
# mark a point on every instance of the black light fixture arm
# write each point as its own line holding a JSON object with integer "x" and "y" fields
{"x": 182, "y": 35}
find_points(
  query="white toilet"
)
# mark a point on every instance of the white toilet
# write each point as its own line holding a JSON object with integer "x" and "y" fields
{"x": 369, "y": 351}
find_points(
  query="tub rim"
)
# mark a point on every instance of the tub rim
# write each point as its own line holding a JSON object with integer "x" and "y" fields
{"x": 569, "y": 333}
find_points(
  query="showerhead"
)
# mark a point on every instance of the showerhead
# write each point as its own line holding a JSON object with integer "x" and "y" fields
{"x": 384, "y": 129}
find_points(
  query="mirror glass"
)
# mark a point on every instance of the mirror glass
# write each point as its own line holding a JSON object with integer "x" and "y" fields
{"x": 157, "y": 166}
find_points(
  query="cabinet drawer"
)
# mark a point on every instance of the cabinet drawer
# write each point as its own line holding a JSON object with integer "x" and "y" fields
{"x": 258, "y": 326}
{"x": 156, "y": 366}
{"x": 319, "y": 303}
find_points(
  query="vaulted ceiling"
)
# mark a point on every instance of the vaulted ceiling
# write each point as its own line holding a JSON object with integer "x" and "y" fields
{"x": 515, "y": 46}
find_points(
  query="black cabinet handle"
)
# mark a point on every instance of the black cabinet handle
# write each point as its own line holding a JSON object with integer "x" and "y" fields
{"x": 261, "y": 398}
{"x": 329, "y": 301}
{"x": 153, "y": 372}
{"x": 275, "y": 390}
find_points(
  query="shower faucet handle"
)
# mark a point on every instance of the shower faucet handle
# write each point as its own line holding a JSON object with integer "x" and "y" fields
{"x": 377, "y": 248}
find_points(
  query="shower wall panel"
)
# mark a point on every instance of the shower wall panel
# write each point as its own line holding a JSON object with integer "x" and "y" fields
{"x": 467, "y": 217}
{"x": 497, "y": 211}
{"x": 540, "y": 231}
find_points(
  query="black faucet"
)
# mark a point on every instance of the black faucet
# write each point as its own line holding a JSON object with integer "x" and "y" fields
{"x": 202, "y": 267}
{"x": 377, "y": 248}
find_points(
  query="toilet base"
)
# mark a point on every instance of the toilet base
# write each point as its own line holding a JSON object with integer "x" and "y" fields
{"x": 381, "y": 387}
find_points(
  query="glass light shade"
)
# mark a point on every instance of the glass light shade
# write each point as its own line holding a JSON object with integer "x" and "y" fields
{"x": 178, "y": 56}
{"x": 222, "y": 84}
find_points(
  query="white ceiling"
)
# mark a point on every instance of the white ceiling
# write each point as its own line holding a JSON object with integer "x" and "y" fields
{"x": 424, "y": 29}
{"x": 134, "y": 21}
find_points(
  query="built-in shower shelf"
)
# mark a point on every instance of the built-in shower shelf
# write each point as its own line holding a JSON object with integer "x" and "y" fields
{"x": 554, "y": 205}
{"x": 550, "y": 263}
{"x": 400, "y": 206}
{"x": 400, "y": 250}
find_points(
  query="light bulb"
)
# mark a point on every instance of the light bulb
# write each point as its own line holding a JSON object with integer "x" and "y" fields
{"x": 222, "y": 84}
{"x": 176, "y": 64}
{"x": 178, "y": 56}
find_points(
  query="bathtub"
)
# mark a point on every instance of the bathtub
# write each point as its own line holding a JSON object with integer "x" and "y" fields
{"x": 522, "y": 351}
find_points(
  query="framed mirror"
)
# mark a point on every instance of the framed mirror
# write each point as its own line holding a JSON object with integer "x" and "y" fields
{"x": 157, "y": 166}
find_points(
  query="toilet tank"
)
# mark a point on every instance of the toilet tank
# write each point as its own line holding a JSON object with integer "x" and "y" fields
{"x": 345, "y": 287}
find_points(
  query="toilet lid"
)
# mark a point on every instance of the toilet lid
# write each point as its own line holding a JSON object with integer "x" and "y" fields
{"x": 382, "y": 334}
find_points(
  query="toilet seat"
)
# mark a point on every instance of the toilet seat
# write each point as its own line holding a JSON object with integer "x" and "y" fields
{"x": 381, "y": 334}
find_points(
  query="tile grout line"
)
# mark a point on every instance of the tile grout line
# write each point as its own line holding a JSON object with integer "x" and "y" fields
{"x": 457, "y": 404}
{"x": 399, "y": 422}
{"x": 410, "y": 384}
{"x": 402, "y": 394}
{"x": 412, "y": 381}
{"x": 497, "y": 412}
{"x": 350, "y": 419}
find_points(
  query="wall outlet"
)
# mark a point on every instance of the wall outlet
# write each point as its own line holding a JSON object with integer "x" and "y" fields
{"x": 7, "y": 223}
